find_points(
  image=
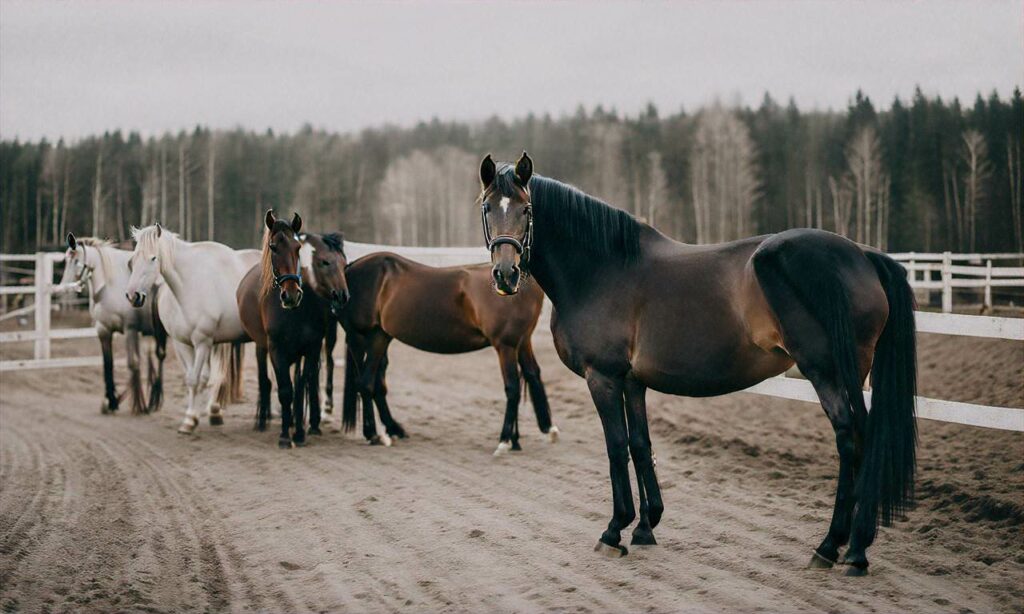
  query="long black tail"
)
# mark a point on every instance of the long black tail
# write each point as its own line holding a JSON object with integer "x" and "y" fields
{"x": 350, "y": 398}
{"x": 887, "y": 476}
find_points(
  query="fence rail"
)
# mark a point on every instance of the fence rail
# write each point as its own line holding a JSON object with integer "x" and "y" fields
{"x": 989, "y": 276}
{"x": 972, "y": 414}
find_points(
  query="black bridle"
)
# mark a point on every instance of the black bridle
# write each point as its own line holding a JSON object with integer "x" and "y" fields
{"x": 280, "y": 279}
{"x": 522, "y": 246}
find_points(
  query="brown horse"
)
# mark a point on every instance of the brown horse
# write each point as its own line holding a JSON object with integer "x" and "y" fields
{"x": 291, "y": 325}
{"x": 447, "y": 310}
{"x": 636, "y": 310}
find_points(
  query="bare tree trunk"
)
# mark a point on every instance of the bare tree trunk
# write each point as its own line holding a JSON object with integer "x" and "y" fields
{"x": 39, "y": 215}
{"x": 97, "y": 195}
{"x": 182, "y": 228}
{"x": 210, "y": 178}
{"x": 163, "y": 183}
{"x": 1013, "y": 163}
{"x": 67, "y": 198}
{"x": 119, "y": 206}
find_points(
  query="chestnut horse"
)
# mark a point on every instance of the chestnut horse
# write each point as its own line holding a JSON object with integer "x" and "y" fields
{"x": 289, "y": 324}
{"x": 449, "y": 310}
{"x": 636, "y": 310}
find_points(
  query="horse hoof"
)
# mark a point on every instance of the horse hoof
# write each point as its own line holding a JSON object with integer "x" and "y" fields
{"x": 553, "y": 434}
{"x": 503, "y": 448}
{"x": 216, "y": 420}
{"x": 315, "y": 430}
{"x": 643, "y": 538}
{"x": 856, "y": 572}
{"x": 612, "y": 552}
{"x": 285, "y": 443}
{"x": 820, "y": 562}
{"x": 381, "y": 440}
{"x": 187, "y": 428}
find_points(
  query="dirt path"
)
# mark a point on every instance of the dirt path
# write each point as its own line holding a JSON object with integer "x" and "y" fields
{"x": 103, "y": 513}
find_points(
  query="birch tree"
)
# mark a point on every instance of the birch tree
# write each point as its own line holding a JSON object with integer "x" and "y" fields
{"x": 977, "y": 170}
{"x": 723, "y": 176}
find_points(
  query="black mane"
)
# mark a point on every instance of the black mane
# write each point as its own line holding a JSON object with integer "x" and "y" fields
{"x": 335, "y": 241}
{"x": 565, "y": 214}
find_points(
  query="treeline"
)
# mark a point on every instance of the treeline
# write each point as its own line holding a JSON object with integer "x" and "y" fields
{"x": 924, "y": 174}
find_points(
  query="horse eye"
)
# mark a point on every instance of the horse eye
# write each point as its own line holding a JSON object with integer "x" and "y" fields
{"x": 273, "y": 247}
{"x": 153, "y": 259}
{"x": 324, "y": 263}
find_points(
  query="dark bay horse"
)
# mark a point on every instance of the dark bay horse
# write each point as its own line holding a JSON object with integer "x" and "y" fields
{"x": 636, "y": 310}
{"x": 449, "y": 310}
{"x": 289, "y": 324}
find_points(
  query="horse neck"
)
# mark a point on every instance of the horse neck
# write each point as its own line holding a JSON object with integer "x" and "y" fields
{"x": 172, "y": 271}
{"x": 566, "y": 269}
{"x": 99, "y": 276}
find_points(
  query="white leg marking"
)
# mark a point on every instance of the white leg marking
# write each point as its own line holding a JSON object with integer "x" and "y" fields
{"x": 553, "y": 434}
{"x": 504, "y": 447}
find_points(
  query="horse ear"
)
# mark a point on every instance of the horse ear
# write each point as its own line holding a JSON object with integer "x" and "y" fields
{"x": 488, "y": 171}
{"x": 524, "y": 169}
{"x": 269, "y": 219}
{"x": 296, "y": 223}
{"x": 72, "y": 241}
{"x": 159, "y": 229}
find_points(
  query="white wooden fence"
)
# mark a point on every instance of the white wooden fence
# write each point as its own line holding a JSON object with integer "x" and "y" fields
{"x": 977, "y": 272}
{"x": 783, "y": 387}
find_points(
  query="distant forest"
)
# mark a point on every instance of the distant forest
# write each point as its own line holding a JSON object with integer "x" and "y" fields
{"x": 924, "y": 174}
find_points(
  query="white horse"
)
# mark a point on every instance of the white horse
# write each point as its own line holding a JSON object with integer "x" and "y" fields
{"x": 101, "y": 268}
{"x": 202, "y": 278}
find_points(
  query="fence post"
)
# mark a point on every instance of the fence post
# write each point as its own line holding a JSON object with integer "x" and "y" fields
{"x": 911, "y": 274}
{"x": 947, "y": 283}
{"x": 43, "y": 279}
{"x": 988, "y": 286}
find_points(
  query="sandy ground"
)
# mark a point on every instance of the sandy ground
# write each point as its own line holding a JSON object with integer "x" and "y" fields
{"x": 120, "y": 513}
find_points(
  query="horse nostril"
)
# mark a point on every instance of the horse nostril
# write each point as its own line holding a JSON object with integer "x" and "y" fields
{"x": 284, "y": 297}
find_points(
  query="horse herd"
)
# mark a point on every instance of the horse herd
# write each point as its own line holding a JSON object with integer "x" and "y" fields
{"x": 632, "y": 309}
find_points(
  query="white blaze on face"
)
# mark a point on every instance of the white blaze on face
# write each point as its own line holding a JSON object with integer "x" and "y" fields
{"x": 504, "y": 205}
{"x": 306, "y": 256}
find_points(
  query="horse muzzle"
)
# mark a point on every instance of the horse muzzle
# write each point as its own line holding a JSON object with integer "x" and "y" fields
{"x": 339, "y": 298}
{"x": 506, "y": 279}
{"x": 291, "y": 300}
{"x": 137, "y": 299}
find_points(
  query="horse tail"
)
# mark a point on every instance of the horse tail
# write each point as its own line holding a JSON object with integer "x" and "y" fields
{"x": 221, "y": 364}
{"x": 887, "y": 475}
{"x": 350, "y": 397}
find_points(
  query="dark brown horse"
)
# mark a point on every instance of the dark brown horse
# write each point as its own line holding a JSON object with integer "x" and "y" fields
{"x": 636, "y": 310}
{"x": 447, "y": 310}
{"x": 287, "y": 323}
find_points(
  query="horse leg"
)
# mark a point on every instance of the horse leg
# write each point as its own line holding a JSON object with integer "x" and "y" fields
{"x": 285, "y": 394}
{"x": 298, "y": 404}
{"x": 312, "y": 375}
{"x": 531, "y": 373}
{"x": 107, "y": 346}
{"x": 375, "y": 355}
{"x": 330, "y": 340}
{"x": 850, "y": 453}
{"x": 156, "y": 382}
{"x": 263, "y": 402}
{"x": 380, "y": 398}
{"x": 607, "y": 393}
{"x": 131, "y": 337}
{"x": 187, "y": 356}
{"x": 651, "y": 506}
{"x": 509, "y": 439}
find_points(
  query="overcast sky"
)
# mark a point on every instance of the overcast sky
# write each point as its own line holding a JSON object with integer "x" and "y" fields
{"x": 75, "y": 68}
